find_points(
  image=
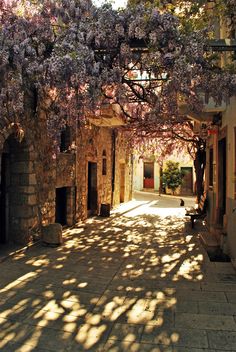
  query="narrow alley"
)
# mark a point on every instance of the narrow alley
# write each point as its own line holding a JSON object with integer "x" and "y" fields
{"x": 139, "y": 280}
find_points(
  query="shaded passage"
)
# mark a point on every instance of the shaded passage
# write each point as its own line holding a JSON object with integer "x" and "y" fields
{"x": 137, "y": 281}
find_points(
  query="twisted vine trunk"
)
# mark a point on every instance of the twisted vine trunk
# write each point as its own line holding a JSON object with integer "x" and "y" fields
{"x": 200, "y": 165}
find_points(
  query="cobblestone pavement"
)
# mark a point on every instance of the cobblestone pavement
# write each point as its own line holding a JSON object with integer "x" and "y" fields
{"x": 137, "y": 281}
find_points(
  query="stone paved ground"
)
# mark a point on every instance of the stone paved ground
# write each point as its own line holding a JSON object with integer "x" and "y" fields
{"x": 137, "y": 281}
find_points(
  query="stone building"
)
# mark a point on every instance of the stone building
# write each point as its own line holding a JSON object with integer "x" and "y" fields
{"x": 92, "y": 168}
{"x": 220, "y": 181}
{"x": 147, "y": 174}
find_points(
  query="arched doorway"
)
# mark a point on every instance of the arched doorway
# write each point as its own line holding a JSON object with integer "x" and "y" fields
{"x": 18, "y": 201}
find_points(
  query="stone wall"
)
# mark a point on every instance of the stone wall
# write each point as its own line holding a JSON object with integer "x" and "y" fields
{"x": 92, "y": 143}
{"x": 123, "y": 171}
{"x": 19, "y": 208}
{"x": 34, "y": 175}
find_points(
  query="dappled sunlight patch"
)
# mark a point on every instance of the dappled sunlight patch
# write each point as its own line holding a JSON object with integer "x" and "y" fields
{"x": 89, "y": 335}
{"x": 58, "y": 266}
{"x": 174, "y": 337}
{"x": 16, "y": 284}
{"x": 93, "y": 319}
{"x": 134, "y": 273}
{"x": 69, "y": 281}
{"x": 34, "y": 302}
{"x": 3, "y": 343}
{"x": 45, "y": 317}
{"x": 117, "y": 311}
{"x": 70, "y": 296}
{"x": 191, "y": 247}
{"x": 170, "y": 258}
{"x": 82, "y": 284}
{"x": 48, "y": 294}
{"x": 103, "y": 278}
{"x": 190, "y": 269}
{"x": 14, "y": 331}
{"x": 160, "y": 336}
{"x": 28, "y": 276}
{"x": 61, "y": 258}
{"x": 118, "y": 300}
{"x": 18, "y": 256}
{"x": 143, "y": 311}
{"x": 38, "y": 262}
{"x": 53, "y": 306}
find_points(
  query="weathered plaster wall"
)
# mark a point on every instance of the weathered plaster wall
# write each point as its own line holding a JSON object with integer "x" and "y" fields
{"x": 91, "y": 143}
{"x": 229, "y": 120}
{"x": 138, "y": 176}
{"x": 123, "y": 161}
{"x": 138, "y": 173}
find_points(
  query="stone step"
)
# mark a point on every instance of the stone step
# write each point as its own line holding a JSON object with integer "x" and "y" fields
{"x": 208, "y": 240}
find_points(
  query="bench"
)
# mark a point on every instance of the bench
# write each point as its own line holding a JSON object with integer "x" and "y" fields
{"x": 198, "y": 213}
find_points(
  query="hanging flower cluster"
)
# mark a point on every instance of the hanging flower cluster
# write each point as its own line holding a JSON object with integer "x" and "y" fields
{"x": 68, "y": 57}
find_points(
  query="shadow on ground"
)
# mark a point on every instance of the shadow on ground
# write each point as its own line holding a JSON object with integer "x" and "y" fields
{"x": 116, "y": 284}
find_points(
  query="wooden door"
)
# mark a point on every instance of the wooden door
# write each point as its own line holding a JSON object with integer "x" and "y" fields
{"x": 61, "y": 205}
{"x": 92, "y": 188}
{"x": 187, "y": 185}
{"x": 148, "y": 177}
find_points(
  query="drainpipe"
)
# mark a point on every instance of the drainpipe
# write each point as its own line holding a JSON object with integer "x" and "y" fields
{"x": 114, "y": 135}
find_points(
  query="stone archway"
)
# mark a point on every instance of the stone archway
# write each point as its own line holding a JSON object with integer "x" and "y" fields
{"x": 18, "y": 200}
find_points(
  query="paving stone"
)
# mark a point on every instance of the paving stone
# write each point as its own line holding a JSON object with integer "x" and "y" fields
{"x": 222, "y": 340}
{"x": 231, "y": 297}
{"x": 129, "y": 346}
{"x": 144, "y": 285}
{"x": 16, "y": 331}
{"x": 89, "y": 337}
{"x": 206, "y": 321}
{"x": 184, "y": 306}
{"x": 146, "y": 312}
{"x": 126, "y": 332}
{"x": 228, "y": 278}
{"x": 220, "y": 287}
{"x": 225, "y": 268}
{"x": 92, "y": 287}
{"x": 217, "y": 308}
{"x": 46, "y": 338}
{"x": 8, "y": 346}
{"x": 188, "y": 338}
{"x": 193, "y": 295}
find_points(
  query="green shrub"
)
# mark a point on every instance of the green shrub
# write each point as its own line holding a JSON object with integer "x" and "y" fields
{"x": 172, "y": 177}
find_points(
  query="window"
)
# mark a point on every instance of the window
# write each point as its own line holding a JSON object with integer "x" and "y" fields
{"x": 65, "y": 139}
{"x": 211, "y": 167}
{"x": 104, "y": 163}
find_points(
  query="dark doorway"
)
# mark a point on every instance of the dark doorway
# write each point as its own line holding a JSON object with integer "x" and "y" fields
{"x": 3, "y": 199}
{"x": 92, "y": 188}
{"x": 222, "y": 180}
{"x": 18, "y": 200}
{"x": 61, "y": 206}
{"x": 122, "y": 183}
{"x": 187, "y": 185}
{"x": 148, "y": 175}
